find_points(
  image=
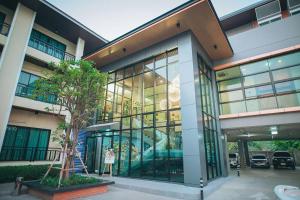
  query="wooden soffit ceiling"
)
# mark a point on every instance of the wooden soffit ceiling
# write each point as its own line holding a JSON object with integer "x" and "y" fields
{"x": 198, "y": 17}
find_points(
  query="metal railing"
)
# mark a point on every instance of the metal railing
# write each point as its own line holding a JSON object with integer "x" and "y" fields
{"x": 50, "y": 49}
{"x": 29, "y": 154}
{"x": 4, "y": 29}
{"x": 27, "y": 91}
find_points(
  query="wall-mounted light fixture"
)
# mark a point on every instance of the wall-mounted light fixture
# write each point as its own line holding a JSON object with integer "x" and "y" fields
{"x": 273, "y": 130}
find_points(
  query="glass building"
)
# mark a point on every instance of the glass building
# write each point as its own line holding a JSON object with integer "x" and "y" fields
{"x": 145, "y": 99}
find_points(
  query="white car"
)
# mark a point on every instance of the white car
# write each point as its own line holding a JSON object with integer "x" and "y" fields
{"x": 286, "y": 192}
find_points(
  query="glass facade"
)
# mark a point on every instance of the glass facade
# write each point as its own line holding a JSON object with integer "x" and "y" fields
{"x": 145, "y": 99}
{"x": 267, "y": 84}
{"x": 210, "y": 132}
{"x": 23, "y": 143}
{"x": 26, "y": 86}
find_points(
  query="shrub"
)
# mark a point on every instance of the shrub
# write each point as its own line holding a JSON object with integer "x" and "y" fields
{"x": 29, "y": 172}
{"x": 72, "y": 180}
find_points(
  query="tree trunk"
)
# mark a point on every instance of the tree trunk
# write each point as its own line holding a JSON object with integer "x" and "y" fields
{"x": 66, "y": 166}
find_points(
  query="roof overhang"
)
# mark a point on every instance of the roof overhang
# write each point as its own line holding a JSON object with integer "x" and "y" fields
{"x": 198, "y": 16}
{"x": 57, "y": 21}
{"x": 104, "y": 126}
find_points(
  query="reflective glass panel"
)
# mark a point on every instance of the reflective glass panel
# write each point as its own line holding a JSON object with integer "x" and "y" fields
{"x": 253, "y": 68}
{"x": 228, "y": 73}
{"x": 230, "y": 84}
{"x": 260, "y": 91}
{"x": 231, "y": 108}
{"x": 231, "y": 96}
{"x": 257, "y": 79}
{"x": 285, "y": 61}
{"x": 286, "y": 73}
{"x": 288, "y": 86}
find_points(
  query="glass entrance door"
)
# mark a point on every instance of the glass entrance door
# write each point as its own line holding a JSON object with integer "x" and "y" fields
{"x": 90, "y": 153}
{"x": 106, "y": 144}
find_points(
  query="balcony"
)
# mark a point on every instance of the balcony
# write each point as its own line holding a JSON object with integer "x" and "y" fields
{"x": 50, "y": 50}
{"x": 27, "y": 92}
{"x": 29, "y": 154}
{"x": 4, "y": 29}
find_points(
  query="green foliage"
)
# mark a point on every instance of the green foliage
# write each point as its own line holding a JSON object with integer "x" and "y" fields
{"x": 79, "y": 88}
{"x": 232, "y": 147}
{"x": 275, "y": 145}
{"x": 29, "y": 172}
{"x": 72, "y": 180}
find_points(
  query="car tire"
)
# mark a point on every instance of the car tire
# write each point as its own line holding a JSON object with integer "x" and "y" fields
{"x": 293, "y": 167}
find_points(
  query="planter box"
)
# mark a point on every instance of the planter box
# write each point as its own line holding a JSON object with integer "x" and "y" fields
{"x": 68, "y": 192}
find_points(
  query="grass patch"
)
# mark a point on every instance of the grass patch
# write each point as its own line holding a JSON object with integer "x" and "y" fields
{"x": 74, "y": 179}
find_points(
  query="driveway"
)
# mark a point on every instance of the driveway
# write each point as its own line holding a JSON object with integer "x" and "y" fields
{"x": 253, "y": 184}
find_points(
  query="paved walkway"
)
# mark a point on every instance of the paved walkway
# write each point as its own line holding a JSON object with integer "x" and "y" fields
{"x": 254, "y": 184}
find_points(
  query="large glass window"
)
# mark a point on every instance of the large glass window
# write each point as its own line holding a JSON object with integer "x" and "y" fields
{"x": 145, "y": 99}
{"x": 267, "y": 84}
{"x": 22, "y": 143}
{"x": 210, "y": 132}
{"x": 47, "y": 44}
{"x": 26, "y": 86}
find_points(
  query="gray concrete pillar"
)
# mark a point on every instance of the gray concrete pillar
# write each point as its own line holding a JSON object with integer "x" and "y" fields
{"x": 246, "y": 150}
{"x": 11, "y": 61}
{"x": 79, "y": 49}
{"x": 242, "y": 154}
{"x": 194, "y": 162}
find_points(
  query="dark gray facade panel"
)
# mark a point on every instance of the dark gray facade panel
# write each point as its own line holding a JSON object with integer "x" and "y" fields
{"x": 277, "y": 35}
{"x": 261, "y": 120}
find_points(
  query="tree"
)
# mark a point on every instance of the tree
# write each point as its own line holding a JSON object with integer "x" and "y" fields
{"x": 79, "y": 90}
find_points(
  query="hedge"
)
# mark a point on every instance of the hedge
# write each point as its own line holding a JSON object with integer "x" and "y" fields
{"x": 29, "y": 172}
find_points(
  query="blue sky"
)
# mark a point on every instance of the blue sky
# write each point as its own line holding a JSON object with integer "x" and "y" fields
{"x": 112, "y": 18}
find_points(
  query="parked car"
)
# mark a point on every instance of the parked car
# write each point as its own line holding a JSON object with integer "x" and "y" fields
{"x": 283, "y": 159}
{"x": 259, "y": 161}
{"x": 233, "y": 159}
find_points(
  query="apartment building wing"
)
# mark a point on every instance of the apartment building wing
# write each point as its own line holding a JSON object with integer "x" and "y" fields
{"x": 33, "y": 34}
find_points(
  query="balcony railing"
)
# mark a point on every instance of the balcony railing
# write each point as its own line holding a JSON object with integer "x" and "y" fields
{"x": 26, "y": 91}
{"x": 4, "y": 29}
{"x": 50, "y": 50}
{"x": 29, "y": 154}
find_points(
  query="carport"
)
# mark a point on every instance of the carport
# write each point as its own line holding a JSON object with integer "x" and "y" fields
{"x": 268, "y": 127}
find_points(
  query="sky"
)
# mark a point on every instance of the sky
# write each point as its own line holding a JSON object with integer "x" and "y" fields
{"x": 113, "y": 18}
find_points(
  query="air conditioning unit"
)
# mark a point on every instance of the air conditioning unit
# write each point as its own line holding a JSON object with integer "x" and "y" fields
{"x": 268, "y": 13}
{"x": 294, "y": 6}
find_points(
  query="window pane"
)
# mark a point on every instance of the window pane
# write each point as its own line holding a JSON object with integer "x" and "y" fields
{"x": 148, "y": 65}
{"x": 286, "y": 73}
{"x": 148, "y": 149}
{"x": 257, "y": 79}
{"x": 261, "y": 91}
{"x": 136, "y": 121}
{"x": 124, "y": 164}
{"x": 255, "y": 67}
{"x": 161, "y": 119}
{"x": 148, "y": 92}
{"x": 176, "y": 155}
{"x": 261, "y": 104}
{"x": 24, "y": 78}
{"x": 230, "y": 84}
{"x": 231, "y": 96}
{"x": 231, "y": 108}
{"x": 174, "y": 85}
{"x": 173, "y": 56}
{"x": 289, "y": 100}
{"x": 118, "y": 99}
{"x": 161, "y": 153}
{"x": 136, "y": 149}
{"x": 228, "y": 73}
{"x": 161, "y": 89}
{"x": 288, "y": 86}
{"x": 137, "y": 94}
{"x": 111, "y": 77}
{"x": 160, "y": 61}
{"x": 285, "y": 61}
{"x": 127, "y": 96}
{"x": 174, "y": 117}
{"x": 148, "y": 120}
